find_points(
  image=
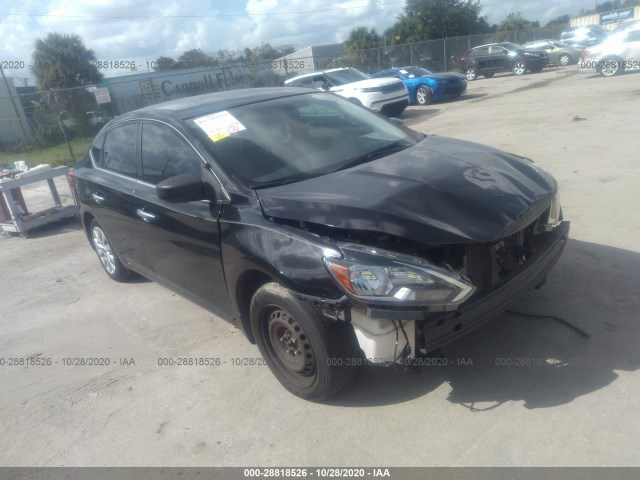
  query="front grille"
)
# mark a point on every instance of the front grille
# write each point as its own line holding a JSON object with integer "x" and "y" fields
{"x": 392, "y": 87}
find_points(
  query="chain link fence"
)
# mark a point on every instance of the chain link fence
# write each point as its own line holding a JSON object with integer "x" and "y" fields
{"x": 56, "y": 127}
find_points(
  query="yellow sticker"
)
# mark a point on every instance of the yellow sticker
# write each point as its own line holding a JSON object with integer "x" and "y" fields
{"x": 219, "y": 125}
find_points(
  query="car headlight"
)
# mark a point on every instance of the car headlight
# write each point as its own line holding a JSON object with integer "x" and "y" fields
{"x": 380, "y": 276}
{"x": 369, "y": 89}
{"x": 554, "y": 217}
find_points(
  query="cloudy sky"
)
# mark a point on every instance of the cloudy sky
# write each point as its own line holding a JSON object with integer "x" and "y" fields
{"x": 135, "y": 30}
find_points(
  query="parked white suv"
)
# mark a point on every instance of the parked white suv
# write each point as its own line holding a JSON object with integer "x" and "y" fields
{"x": 388, "y": 96}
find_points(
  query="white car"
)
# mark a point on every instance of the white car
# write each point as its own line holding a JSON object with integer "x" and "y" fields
{"x": 388, "y": 96}
{"x": 619, "y": 53}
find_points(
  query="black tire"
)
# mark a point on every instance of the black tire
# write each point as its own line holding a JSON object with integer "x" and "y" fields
{"x": 564, "y": 59}
{"x": 312, "y": 357}
{"x": 519, "y": 67}
{"x": 610, "y": 67}
{"x": 424, "y": 96}
{"x": 109, "y": 260}
{"x": 488, "y": 75}
{"x": 471, "y": 73}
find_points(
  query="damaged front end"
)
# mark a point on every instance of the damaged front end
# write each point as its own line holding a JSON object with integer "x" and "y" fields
{"x": 407, "y": 299}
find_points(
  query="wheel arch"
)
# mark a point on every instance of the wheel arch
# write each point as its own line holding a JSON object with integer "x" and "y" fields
{"x": 247, "y": 285}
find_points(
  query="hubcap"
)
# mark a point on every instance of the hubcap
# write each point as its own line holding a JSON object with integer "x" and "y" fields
{"x": 610, "y": 68}
{"x": 422, "y": 96}
{"x": 103, "y": 248}
{"x": 471, "y": 73}
{"x": 519, "y": 68}
{"x": 564, "y": 60}
{"x": 291, "y": 346}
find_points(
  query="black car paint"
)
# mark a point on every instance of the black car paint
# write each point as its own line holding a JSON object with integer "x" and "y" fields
{"x": 231, "y": 242}
{"x": 492, "y": 63}
{"x": 441, "y": 191}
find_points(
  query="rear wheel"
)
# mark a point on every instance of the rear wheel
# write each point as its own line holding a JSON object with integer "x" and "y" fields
{"x": 610, "y": 67}
{"x": 519, "y": 67}
{"x": 564, "y": 59}
{"x": 423, "y": 95}
{"x": 312, "y": 357}
{"x": 107, "y": 255}
{"x": 471, "y": 73}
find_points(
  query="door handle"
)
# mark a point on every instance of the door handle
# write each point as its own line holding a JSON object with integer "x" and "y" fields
{"x": 146, "y": 216}
{"x": 97, "y": 198}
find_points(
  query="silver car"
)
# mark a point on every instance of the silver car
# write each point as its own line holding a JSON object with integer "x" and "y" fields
{"x": 619, "y": 53}
{"x": 560, "y": 53}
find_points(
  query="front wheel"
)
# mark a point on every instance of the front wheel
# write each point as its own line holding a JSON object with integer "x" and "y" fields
{"x": 564, "y": 59}
{"x": 312, "y": 357}
{"x": 519, "y": 67}
{"x": 107, "y": 255}
{"x": 423, "y": 95}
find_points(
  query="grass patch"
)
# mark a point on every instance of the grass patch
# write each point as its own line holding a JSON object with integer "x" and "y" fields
{"x": 54, "y": 156}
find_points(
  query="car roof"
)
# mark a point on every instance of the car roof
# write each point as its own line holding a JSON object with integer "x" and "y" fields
{"x": 304, "y": 75}
{"x": 189, "y": 107}
{"x": 491, "y": 44}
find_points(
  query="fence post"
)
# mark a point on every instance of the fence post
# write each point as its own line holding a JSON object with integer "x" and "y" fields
{"x": 379, "y": 67}
{"x": 64, "y": 132}
{"x": 444, "y": 47}
{"x": 411, "y": 53}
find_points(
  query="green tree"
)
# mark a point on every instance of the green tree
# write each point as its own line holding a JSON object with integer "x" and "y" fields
{"x": 513, "y": 23}
{"x": 165, "y": 63}
{"x": 62, "y": 61}
{"x": 195, "y": 58}
{"x": 361, "y": 48}
{"x": 560, "y": 20}
{"x": 433, "y": 19}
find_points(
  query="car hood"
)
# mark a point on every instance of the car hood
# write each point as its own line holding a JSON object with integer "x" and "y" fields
{"x": 444, "y": 76}
{"x": 368, "y": 83}
{"x": 440, "y": 191}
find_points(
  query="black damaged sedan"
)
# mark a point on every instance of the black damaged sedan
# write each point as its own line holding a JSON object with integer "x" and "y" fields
{"x": 329, "y": 235}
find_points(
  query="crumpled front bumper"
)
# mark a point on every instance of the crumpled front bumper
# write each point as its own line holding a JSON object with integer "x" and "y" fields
{"x": 441, "y": 329}
{"x": 434, "y": 330}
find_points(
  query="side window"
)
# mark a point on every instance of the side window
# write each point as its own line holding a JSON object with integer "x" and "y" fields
{"x": 119, "y": 150}
{"x": 478, "y": 52}
{"x": 633, "y": 36}
{"x": 165, "y": 154}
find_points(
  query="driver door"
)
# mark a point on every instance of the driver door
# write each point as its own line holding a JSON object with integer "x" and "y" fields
{"x": 182, "y": 240}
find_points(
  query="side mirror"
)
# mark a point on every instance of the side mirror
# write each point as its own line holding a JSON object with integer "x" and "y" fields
{"x": 181, "y": 189}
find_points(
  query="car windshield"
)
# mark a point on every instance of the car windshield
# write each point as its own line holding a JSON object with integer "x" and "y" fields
{"x": 415, "y": 71}
{"x": 349, "y": 75}
{"x": 295, "y": 138}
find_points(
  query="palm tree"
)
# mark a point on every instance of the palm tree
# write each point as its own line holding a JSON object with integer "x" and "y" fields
{"x": 62, "y": 61}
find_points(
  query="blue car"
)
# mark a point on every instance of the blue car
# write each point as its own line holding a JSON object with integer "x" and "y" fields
{"x": 425, "y": 86}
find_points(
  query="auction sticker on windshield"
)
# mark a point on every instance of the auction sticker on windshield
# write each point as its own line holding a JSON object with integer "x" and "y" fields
{"x": 219, "y": 125}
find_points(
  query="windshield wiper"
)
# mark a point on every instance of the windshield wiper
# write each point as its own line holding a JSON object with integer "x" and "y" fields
{"x": 367, "y": 157}
{"x": 282, "y": 181}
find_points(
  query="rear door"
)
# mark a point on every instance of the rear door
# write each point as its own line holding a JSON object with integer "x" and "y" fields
{"x": 182, "y": 240}
{"x": 499, "y": 58}
{"x": 482, "y": 59}
{"x": 108, "y": 191}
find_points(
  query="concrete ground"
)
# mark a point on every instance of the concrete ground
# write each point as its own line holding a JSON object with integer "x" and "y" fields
{"x": 554, "y": 382}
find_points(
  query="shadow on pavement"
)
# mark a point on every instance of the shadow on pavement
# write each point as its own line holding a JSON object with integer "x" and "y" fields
{"x": 59, "y": 227}
{"x": 528, "y": 354}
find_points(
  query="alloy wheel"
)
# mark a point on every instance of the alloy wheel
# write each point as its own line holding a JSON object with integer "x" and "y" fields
{"x": 519, "y": 67}
{"x": 103, "y": 248}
